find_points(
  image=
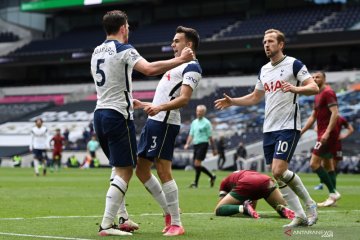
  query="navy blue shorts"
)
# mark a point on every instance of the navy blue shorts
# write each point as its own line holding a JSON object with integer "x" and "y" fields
{"x": 39, "y": 154}
{"x": 280, "y": 144}
{"x": 116, "y": 137}
{"x": 157, "y": 140}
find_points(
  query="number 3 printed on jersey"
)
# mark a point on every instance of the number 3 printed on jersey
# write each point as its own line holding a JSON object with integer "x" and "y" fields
{"x": 101, "y": 72}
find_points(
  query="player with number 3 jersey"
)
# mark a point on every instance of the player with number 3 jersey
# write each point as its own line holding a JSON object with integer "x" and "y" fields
{"x": 157, "y": 140}
{"x": 112, "y": 64}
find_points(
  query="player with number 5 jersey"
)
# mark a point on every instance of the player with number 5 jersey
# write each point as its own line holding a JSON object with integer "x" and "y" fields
{"x": 281, "y": 81}
{"x": 112, "y": 64}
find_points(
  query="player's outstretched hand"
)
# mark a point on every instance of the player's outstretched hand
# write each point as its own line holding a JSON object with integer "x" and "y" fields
{"x": 137, "y": 104}
{"x": 223, "y": 102}
{"x": 187, "y": 54}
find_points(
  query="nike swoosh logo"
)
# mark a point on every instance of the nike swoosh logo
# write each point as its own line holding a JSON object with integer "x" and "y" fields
{"x": 278, "y": 153}
{"x": 150, "y": 150}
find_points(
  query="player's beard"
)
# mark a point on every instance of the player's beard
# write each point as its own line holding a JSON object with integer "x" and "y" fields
{"x": 271, "y": 54}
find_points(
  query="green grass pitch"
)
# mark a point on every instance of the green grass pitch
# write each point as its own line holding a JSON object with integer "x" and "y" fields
{"x": 69, "y": 205}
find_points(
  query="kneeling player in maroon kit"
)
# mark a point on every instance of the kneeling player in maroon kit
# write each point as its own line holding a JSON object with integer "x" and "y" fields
{"x": 241, "y": 189}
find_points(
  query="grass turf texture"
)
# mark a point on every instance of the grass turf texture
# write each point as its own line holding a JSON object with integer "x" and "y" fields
{"x": 69, "y": 205}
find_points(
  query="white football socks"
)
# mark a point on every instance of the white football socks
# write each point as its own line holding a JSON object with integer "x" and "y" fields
{"x": 154, "y": 187}
{"x": 294, "y": 182}
{"x": 36, "y": 166}
{"x": 114, "y": 197}
{"x": 292, "y": 200}
{"x": 171, "y": 194}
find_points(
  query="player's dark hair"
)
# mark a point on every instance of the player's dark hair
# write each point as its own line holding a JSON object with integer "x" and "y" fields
{"x": 113, "y": 20}
{"x": 39, "y": 119}
{"x": 190, "y": 34}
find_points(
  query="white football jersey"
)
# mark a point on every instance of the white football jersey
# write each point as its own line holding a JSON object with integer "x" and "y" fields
{"x": 281, "y": 109}
{"x": 112, "y": 64}
{"x": 39, "y": 138}
{"x": 169, "y": 88}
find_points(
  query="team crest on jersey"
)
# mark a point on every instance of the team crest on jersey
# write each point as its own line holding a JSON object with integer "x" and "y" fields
{"x": 134, "y": 55}
{"x": 192, "y": 79}
{"x": 272, "y": 86}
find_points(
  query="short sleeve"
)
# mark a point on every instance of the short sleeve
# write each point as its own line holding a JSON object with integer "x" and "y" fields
{"x": 209, "y": 129}
{"x": 131, "y": 56}
{"x": 192, "y": 75}
{"x": 259, "y": 84}
{"x": 300, "y": 71}
{"x": 192, "y": 129}
{"x": 330, "y": 98}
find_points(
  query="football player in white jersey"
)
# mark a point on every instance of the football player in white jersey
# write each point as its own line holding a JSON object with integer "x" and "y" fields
{"x": 157, "y": 140}
{"x": 281, "y": 81}
{"x": 38, "y": 145}
{"x": 112, "y": 64}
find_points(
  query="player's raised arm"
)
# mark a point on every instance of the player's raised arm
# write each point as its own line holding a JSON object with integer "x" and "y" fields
{"x": 159, "y": 67}
{"x": 247, "y": 100}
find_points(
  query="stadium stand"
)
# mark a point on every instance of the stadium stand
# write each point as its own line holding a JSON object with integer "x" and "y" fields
{"x": 8, "y": 37}
{"x": 14, "y": 111}
{"x": 342, "y": 20}
{"x": 290, "y": 21}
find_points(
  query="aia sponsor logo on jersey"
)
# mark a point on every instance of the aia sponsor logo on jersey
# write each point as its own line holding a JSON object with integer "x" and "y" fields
{"x": 272, "y": 86}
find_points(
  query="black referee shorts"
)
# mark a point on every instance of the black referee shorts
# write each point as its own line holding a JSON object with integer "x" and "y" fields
{"x": 200, "y": 151}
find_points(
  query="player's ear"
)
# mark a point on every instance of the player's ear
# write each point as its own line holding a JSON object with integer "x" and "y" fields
{"x": 189, "y": 44}
{"x": 122, "y": 29}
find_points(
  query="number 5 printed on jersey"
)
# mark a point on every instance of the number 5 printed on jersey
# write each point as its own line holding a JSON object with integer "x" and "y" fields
{"x": 101, "y": 72}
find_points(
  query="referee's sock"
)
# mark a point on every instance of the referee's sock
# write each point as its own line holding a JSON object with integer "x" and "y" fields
{"x": 206, "y": 171}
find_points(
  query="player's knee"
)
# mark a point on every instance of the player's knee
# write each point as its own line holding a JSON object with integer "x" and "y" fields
{"x": 218, "y": 212}
{"x": 277, "y": 173}
{"x": 164, "y": 176}
{"x": 142, "y": 173}
{"x": 314, "y": 165}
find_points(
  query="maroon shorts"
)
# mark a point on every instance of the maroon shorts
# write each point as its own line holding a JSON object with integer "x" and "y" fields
{"x": 253, "y": 187}
{"x": 56, "y": 154}
{"x": 338, "y": 154}
{"x": 326, "y": 150}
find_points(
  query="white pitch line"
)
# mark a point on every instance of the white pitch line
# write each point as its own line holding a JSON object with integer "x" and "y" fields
{"x": 41, "y": 236}
{"x": 160, "y": 214}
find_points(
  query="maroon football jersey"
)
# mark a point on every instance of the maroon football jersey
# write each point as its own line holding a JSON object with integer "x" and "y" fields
{"x": 323, "y": 101}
